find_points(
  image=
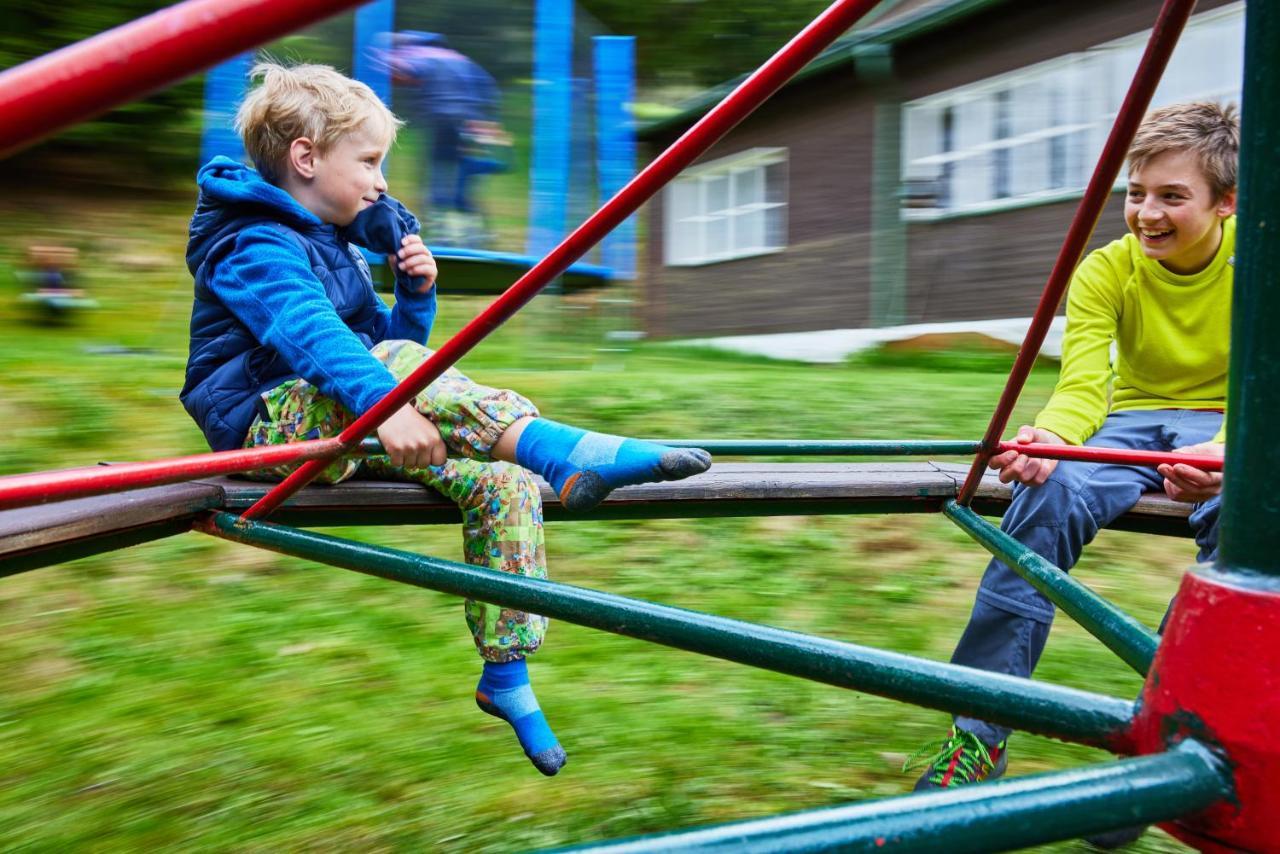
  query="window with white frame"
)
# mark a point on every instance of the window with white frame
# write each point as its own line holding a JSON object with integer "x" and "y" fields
{"x": 733, "y": 207}
{"x": 1036, "y": 133}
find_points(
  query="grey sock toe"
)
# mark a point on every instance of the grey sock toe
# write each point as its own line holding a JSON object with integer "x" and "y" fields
{"x": 549, "y": 761}
{"x": 587, "y": 491}
{"x": 680, "y": 463}
{"x": 591, "y": 488}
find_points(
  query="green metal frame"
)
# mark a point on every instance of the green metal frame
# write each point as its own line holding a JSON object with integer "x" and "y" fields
{"x": 997, "y": 816}
{"x": 1052, "y": 710}
{"x": 1250, "y": 507}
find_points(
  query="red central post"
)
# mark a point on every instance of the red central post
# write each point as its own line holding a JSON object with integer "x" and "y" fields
{"x": 734, "y": 108}
{"x": 1164, "y": 37}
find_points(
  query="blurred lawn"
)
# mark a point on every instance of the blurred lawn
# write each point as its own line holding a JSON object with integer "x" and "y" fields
{"x": 197, "y": 694}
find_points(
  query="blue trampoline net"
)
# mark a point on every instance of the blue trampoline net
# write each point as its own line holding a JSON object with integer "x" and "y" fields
{"x": 517, "y": 123}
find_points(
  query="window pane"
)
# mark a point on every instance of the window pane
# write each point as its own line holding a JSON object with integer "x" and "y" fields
{"x": 775, "y": 181}
{"x": 717, "y": 193}
{"x": 749, "y": 231}
{"x": 717, "y": 233}
{"x": 775, "y": 227}
{"x": 1029, "y": 165}
{"x": 748, "y": 187}
{"x": 682, "y": 203}
{"x": 921, "y": 138}
{"x": 1206, "y": 63}
{"x": 971, "y": 180}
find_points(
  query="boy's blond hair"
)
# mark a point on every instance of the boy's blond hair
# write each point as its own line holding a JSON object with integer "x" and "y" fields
{"x": 1209, "y": 131}
{"x": 312, "y": 101}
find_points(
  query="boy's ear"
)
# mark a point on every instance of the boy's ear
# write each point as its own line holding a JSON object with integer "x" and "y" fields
{"x": 302, "y": 157}
{"x": 1227, "y": 204}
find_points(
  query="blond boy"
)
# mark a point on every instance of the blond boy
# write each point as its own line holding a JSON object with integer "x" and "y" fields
{"x": 289, "y": 342}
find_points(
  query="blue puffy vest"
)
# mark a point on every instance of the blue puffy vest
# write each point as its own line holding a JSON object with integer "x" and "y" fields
{"x": 227, "y": 368}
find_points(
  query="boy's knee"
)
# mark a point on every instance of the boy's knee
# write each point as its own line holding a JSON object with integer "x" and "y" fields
{"x": 401, "y": 356}
{"x": 1055, "y": 501}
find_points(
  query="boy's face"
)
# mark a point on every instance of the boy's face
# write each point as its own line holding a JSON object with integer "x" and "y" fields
{"x": 347, "y": 178}
{"x": 1171, "y": 210}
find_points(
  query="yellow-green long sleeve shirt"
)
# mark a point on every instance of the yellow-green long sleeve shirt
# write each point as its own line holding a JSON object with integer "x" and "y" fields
{"x": 1171, "y": 332}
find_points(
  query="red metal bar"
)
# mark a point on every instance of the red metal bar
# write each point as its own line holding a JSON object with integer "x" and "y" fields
{"x": 1121, "y": 456}
{"x": 734, "y": 108}
{"x": 20, "y": 490}
{"x": 82, "y": 80}
{"x": 1164, "y": 37}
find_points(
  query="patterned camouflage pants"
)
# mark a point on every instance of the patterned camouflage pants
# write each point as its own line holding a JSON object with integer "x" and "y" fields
{"x": 500, "y": 504}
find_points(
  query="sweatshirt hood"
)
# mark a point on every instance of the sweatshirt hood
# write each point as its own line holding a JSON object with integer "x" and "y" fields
{"x": 230, "y": 191}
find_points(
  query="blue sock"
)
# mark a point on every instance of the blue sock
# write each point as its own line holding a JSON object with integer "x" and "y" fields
{"x": 584, "y": 467}
{"x": 504, "y": 692}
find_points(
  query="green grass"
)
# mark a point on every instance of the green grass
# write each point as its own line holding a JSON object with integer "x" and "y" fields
{"x": 201, "y": 695}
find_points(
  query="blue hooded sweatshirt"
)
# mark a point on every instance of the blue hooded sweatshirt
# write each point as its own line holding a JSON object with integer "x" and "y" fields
{"x": 281, "y": 295}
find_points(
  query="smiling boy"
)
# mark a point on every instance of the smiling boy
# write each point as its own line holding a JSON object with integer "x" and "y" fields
{"x": 1162, "y": 295}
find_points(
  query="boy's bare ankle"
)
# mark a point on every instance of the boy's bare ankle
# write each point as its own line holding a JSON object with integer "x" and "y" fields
{"x": 505, "y": 448}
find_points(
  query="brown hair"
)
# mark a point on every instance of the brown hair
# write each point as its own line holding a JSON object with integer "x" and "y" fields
{"x": 312, "y": 101}
{"x": 1209, "y": 131}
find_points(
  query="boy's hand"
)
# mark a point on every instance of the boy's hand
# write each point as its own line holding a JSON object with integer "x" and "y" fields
{"x": 411, "y": 440}
{"x": 415, "y": 259}
{"x": 1188, "y": 483}
{"x": 1032, "y": 471}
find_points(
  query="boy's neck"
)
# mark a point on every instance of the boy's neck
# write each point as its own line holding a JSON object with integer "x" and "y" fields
{"x": 300, "y": 191}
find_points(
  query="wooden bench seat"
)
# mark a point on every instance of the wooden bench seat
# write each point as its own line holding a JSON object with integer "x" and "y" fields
{"x": 50, "y": 533}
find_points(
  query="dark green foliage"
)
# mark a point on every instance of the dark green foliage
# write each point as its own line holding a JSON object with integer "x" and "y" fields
{"x": 703, "y": 42}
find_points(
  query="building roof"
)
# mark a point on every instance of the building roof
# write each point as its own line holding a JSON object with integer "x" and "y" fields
{"x": 896, "y": 21}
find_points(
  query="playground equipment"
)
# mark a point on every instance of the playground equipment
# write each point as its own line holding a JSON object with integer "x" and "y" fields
{"x": 1202, "y": 740}
{"x": 570, "y": 72}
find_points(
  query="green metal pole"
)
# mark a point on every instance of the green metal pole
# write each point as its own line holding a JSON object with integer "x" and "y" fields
{"x": 1020, "y": 703}
{"x": 995, "y": 817}
{"x": 1122, "y": 634}
{"x": 1250, "y": 521}
{"x": 852, "y": 448}
{"x": 801, "y": 447}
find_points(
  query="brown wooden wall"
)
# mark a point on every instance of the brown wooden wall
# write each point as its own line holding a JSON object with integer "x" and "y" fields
{"x": 819, "y": 282}
{"x": 963, "y": 268}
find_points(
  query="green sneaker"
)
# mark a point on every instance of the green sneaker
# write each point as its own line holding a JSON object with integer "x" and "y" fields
{"x": 958, "y": 760}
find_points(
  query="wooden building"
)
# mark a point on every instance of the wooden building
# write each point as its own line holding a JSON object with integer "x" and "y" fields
{"x": 924, "y": 169}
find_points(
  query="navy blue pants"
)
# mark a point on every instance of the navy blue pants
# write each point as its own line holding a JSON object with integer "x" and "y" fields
{"x": 448, "y": 191}
{"x": 1010, "y": 621}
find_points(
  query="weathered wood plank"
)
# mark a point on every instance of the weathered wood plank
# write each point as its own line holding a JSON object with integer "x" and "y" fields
{"x": 731, "y": 488}
{"x": 724, "y": 482}
{"x": 764, "y": 482}
{"x": 62, "y": 522}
